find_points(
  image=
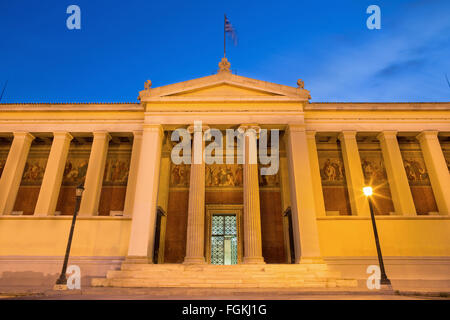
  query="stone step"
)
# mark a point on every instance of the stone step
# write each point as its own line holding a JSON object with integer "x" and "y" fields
{"x": 220, "y": 276}
{"x": 215, "y": 268}
{"x": 227, "y": 274}
{"x": 231, "y": 272}
{"x": 144, "y": 283}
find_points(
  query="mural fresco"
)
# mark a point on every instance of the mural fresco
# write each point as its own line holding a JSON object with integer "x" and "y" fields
{"x": 33, "y": 172}
{"x": 34, "y": 169}
{"x": 373, "y": 166}
{"x": 331, "y": 167}
{"x": 271, "y": 181}
{"x": 116, "y": 170}
{"x": 179, "y": 175}
{"x": 224, "y": 175}
{"x": 218, "y": 175}
{"x": 75, "y": 171}
{"x": 415, "y": 168}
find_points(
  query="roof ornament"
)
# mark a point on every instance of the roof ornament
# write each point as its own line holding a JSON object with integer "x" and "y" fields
{"x": 224, "y": 65}
{"x": 301, "y": 84}
{"x": 147, "y": 85}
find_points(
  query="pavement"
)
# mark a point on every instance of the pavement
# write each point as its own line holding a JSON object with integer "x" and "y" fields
{"x": 91, "y": 293}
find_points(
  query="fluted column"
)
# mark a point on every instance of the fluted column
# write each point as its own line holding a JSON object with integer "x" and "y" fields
{"x": 304, "y": 223}
{"x": 13, "y": 171}
{"x": 133, "y": 173}
{"x": 396, "y": 174}
{"x": 354, "y": 173}
{"x": 51, "y": 183}
{"x": 142, "y": 236}
{"x": 195, "y": 240}
{"x": 94, "y": 175}
{"x": 437, "y": 169}
{"x": 252, "y": 212}
{"x": 315, "y": 173}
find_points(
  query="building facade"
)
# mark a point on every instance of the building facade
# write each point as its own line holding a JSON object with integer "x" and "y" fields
{"x": 141, "y": 208}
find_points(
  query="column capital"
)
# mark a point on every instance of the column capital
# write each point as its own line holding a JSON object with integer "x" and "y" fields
{"x": 62, "y": 135}
{"x": 346, "y": 134}
{"x": 23, "y": 135}
{"x": 137, "y": 133}
{"x": 426, "y": 135}
{"x": 153, "y": 128}
{"x": 310, "y": 134}
{"x": 193, "y": 128}
{"x": 101, "y": 135}
{"x": 391, "y": 134}
{"x": 294, "y": 127}
{"x": 249, "y": 126}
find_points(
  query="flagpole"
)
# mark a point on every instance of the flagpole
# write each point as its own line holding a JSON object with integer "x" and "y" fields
{"x": 224, "y": 32}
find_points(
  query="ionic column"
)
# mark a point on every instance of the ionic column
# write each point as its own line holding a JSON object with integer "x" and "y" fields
{"x": 306, "y": 237}
{"x": 396, "y": 174}
{"x": 315, "y": 173}
{"x": 354, "y": 173}
{"x": 13, "y": 171}
{"x": 132, "y": 175}
{"x": 51, "y": 183}
{"x": 437, "y": 169}
{"x": 195, "y": 240}
{"x": 252, "y": 212}
{"x": 142, "y": 236}
{"x": 94, "y": 174}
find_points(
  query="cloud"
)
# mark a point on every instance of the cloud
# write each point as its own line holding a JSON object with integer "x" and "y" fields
{"x": 404, "y": 61}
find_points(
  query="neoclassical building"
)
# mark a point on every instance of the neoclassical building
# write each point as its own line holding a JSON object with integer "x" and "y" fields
{"x": 147, "y": 221}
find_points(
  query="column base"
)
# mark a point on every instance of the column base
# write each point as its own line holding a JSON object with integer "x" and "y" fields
{"x": 138, "y": 260}
{"x": 253, "y": 260}
{"x": 194, "y": 260}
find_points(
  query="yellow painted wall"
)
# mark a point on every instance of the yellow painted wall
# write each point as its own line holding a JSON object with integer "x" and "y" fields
{"x": 98, "y": 236}
{"x": 352, "y": 236}
{"x": 339, "y": 236}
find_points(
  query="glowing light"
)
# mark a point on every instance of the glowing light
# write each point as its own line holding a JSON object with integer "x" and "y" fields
{"x": 367, "y": 191}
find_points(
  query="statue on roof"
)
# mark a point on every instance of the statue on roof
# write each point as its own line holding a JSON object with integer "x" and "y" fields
{"x": 224, "y": 65}
{"x": 147, "y": 85}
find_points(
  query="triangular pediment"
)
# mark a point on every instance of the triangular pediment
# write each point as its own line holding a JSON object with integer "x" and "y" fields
{"x": 225, "y": 90}
{"x": 223, "y": 86}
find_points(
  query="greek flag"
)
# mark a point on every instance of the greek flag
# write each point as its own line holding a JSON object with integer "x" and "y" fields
{"x": 230, "y": 30}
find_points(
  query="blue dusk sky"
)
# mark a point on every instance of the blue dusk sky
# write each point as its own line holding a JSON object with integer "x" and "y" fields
{"x": 121, "y": 44}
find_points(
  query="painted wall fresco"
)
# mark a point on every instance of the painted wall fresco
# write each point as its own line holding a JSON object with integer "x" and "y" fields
{"x": 115, "y": 178}
{"x": 374, "y": 171}
{"x": 415, "y": 168}
{"x": 179, "y": 175}
{"x": 331, "y": 167}
{"x": 76, "y": 165}
{"x": 418, "y": 178}
{"x": 218, "y": 175}
{"x": 33, "y": 174}
{"x": 373, "y": 166}
{"x": 332, "y": 173}
{"x": 34, "y": 170}
{"x": 117, "y": 168}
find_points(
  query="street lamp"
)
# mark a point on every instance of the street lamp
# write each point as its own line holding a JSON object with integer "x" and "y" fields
{"x": 384, "y": 281}
{"x": 61, "y": 283}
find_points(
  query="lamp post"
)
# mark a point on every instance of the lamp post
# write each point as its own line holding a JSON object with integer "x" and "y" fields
{"x": 384, "y": 281}
{"x": 61, "y": 283}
